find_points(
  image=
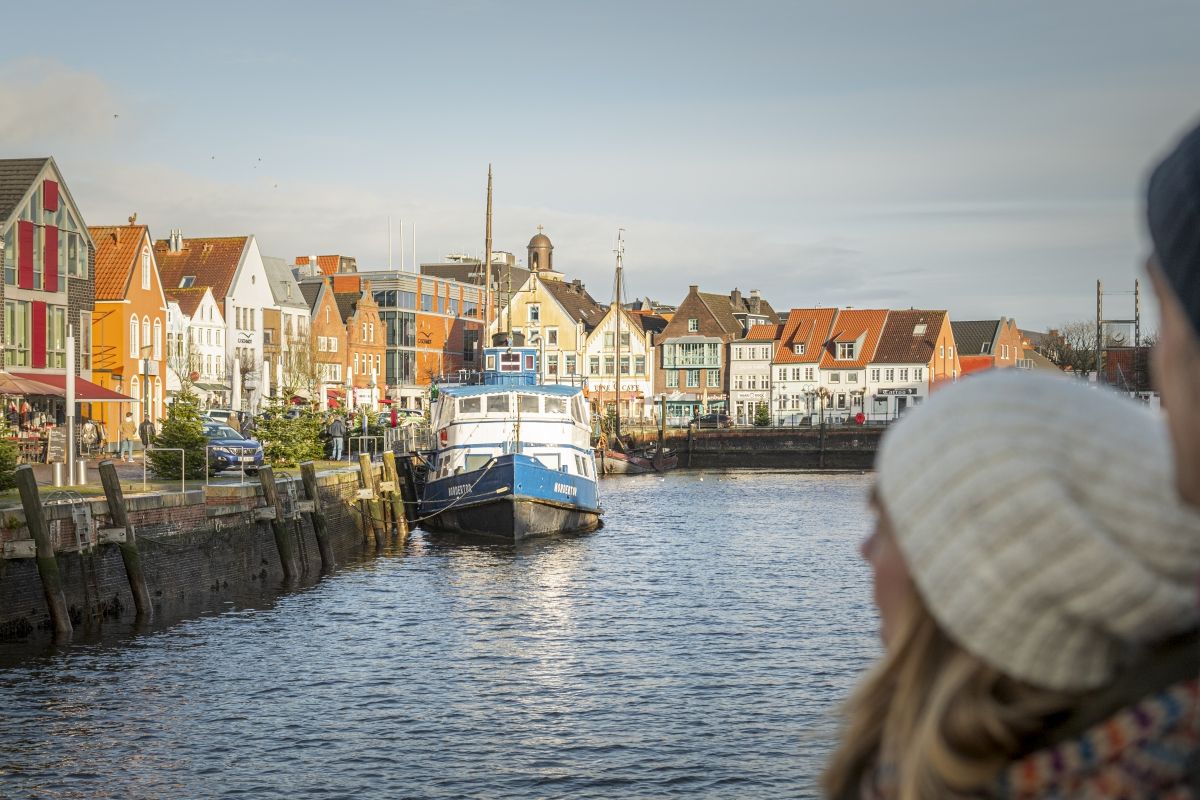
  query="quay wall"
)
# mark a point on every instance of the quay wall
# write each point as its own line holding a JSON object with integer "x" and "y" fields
{"x": 851, "y": 448}
{"x": 198, "y": 548}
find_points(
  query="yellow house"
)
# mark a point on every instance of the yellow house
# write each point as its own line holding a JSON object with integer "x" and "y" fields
{"x": 555, "y": 315}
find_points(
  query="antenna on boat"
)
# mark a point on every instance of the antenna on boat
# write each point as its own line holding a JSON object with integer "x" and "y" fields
{"x": 487, "y": 266}
{"x": 620, "y": 251}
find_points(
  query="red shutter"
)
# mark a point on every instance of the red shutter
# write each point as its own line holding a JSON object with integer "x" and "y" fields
{"x": 25, "y": 255}
{"x": 50, "y": 195}
{"x": 38, "y": 334}
{"x": 50, "y": 258}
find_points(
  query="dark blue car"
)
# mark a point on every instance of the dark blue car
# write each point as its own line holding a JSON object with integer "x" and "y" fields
{"x": 227, "y": 449}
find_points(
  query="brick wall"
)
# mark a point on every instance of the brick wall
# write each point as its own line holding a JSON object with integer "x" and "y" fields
{"x": 199, "y": 549}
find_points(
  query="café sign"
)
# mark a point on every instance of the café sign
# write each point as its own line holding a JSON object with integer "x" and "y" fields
{"x": 889, "y": 392}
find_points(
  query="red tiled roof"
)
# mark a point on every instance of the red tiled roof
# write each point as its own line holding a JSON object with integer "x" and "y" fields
{"x": 211, "y": 261}
{"x": 764, "y": 333}
{"x": 850, "y": 325}
{"x": 722, "y": 310}
{"x": 901, "y": 344}
{"x": 188, "y": 299}
{"x": 117, "y": 248}
{"x": 327, "y": 264}
{"x": 807, "y": 326}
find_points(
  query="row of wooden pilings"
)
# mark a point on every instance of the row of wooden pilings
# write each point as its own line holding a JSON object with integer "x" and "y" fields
{"x": 386, "y": 509}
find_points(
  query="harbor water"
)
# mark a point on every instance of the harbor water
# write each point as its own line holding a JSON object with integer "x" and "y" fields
{"x": 697, "y": 646}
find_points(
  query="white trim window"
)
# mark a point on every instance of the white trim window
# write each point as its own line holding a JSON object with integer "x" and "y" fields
{"x": 145, "y": 268}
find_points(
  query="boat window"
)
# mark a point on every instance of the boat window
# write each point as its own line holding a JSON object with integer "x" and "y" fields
{"x": 579, "y": 464}
{"x": 477, "y": 461}
{"x": 550, "y": 460}
{"x": 510, "y": 362}
{"x": 469, "y": 405}
{"x": 528, "y": 404}
{"x": 577, "y": 408}
{"x": 556, "y": 405}
{"x": 497, "y": 402}
{"x": 447, "y": 414}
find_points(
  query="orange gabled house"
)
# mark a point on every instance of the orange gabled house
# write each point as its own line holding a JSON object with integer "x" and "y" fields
{"x": 129, "y": 324}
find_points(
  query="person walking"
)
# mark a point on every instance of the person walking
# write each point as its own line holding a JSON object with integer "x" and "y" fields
{"x": 129, "y": 431}
{"x": 1173, "y": 217}
{"x": 146, "y": 432}
{"x": 233, "y": 422}
{"x": 1034, "y": 572}
{"x": 337, "y": 435}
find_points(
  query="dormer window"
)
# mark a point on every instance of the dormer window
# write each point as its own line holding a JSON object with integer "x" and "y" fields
{"x": 186, "y": 281}
{"x": 798, "y": 348}
{"x": 986, "y": 349}
{"x": 845, "y": 351}
{"x": 919, "y": 329}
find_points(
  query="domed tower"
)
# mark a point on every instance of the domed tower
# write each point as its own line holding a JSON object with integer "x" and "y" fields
{"x": 541, "y": 253}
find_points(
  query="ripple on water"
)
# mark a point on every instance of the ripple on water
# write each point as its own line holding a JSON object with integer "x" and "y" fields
{"x": 694, "y": 647}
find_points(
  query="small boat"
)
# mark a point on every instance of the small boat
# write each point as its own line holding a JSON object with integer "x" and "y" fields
{"x": 636, "y": 462}
{"x": 512, "y": 458}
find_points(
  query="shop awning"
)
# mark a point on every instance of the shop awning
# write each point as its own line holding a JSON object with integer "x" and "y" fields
{"x": 10, "y": 384}
{"x": 85, "y": 390}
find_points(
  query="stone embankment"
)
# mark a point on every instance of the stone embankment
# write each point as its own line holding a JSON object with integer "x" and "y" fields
{"x": 840, "y": 447}
{"x": 197, "y": 549}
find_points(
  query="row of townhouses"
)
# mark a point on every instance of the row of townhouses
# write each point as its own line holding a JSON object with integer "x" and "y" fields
{"x": 146, "y": 316}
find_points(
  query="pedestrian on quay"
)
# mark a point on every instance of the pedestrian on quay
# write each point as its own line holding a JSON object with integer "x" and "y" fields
{"x": 337, "y": 435}
{"x": 129, "y": 431}
{"x": 146, "y": 432}
{"x": 233, "y": 422}
{"x": 1173, "y": 217}
{"x": 1034, "y": 572}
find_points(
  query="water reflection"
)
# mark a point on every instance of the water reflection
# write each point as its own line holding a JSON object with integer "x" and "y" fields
{"x": 693, "y": 647}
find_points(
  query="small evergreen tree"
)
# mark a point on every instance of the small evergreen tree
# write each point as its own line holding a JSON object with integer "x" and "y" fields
{"x": 288, "y": 440}
{"x": 762, "y": 416}
{"x": 182, "y": 429}
{"x": 9, "y": 457}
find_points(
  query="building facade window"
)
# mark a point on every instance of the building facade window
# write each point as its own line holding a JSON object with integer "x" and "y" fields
{"x": 639, "y": 365}
{"x": 693, "y": 325}
{"x": 535, "y": 313}
{"x": 693, "y": 378}
{"x": 593, "y": 365}
{"x": 845, "y": 351}
{"x": 714, "y": 378}
{"x": 672, "y": 380}
{"x": 145, "y": 269}
{"x": 798, "y": 348}
{"x": 157, "y": 339}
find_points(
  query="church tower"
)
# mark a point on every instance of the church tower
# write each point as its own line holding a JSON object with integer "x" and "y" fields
{"x": 541, "y": 253}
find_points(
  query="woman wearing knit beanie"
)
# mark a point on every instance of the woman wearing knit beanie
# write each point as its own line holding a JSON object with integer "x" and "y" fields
{"x": 1173, "y": 216}
{"x": 1035, "y": 579}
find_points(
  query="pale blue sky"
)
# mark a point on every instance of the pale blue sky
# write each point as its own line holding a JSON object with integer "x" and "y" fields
{"x": 985, "y": 158}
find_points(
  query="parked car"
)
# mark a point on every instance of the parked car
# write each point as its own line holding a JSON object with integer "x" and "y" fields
{"x": 713, "y": 420}
{"x": 228, "y": 449}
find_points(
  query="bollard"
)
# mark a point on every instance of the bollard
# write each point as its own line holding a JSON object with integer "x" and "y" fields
{"x": 130, "y": 556}
{"x": 399, "y": 517}
{"x": 308, "y": 475}
{"x": 284, "y": 543}
{"x": 374, "y": 509}
{"x": 58, "y": 468}
{"x": 47, "y": 565}
{"x": 81, "y": 472}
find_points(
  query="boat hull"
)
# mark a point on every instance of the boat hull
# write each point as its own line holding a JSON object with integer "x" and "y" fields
{"x": 513, "y": 498}
{"x": 614, "y": 463}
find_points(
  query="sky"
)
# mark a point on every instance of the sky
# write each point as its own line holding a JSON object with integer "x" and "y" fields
{"x": 986, "y": 158}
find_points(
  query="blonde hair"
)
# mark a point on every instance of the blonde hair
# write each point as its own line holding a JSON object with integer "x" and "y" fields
{"x": 933, "y": 719}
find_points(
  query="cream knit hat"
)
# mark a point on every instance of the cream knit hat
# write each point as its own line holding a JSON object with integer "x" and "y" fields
{"x": 1038, "y": 519}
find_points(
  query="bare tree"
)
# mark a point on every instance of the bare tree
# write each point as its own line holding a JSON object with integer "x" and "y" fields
{"x": 182, "y": 360}
{"x": 1072, "y": 347}
{"x": 301, "y": 370}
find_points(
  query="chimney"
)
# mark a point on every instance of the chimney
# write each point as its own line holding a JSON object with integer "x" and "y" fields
{"x": 735, "y": 299}
{"x": 175, "y": 243}
{"x": 693, "y": 289}
{"x": 755, "y": 301}
{"x": 312, "y": 266}
{"x": 577, "y": 285}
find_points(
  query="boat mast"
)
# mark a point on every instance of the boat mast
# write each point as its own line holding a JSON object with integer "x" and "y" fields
{"x": 620, "y": 251}
{"x": 487, "y": 269}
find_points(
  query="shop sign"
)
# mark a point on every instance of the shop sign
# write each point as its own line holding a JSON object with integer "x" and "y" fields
{"x": 887, "y": 392}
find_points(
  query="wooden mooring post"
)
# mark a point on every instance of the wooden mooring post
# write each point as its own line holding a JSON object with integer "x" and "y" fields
{"x": 392, "y": 476}
{"x": 131, "y": 557}
{"x": 35, "y": 518}
{"x": 374, "y": 508}
{"x": 308, "y": 475}
{"x": 284, "y": 543}
{"x": 408, "y": 487}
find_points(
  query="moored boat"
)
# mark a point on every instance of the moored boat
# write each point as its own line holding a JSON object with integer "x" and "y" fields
{"x": 512, "y": 458}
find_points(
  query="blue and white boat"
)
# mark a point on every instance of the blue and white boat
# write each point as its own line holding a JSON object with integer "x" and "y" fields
{"x": 512, "y": 458}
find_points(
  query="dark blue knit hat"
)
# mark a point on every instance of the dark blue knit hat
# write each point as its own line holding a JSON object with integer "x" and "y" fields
{"x": 1173, "y": 212}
